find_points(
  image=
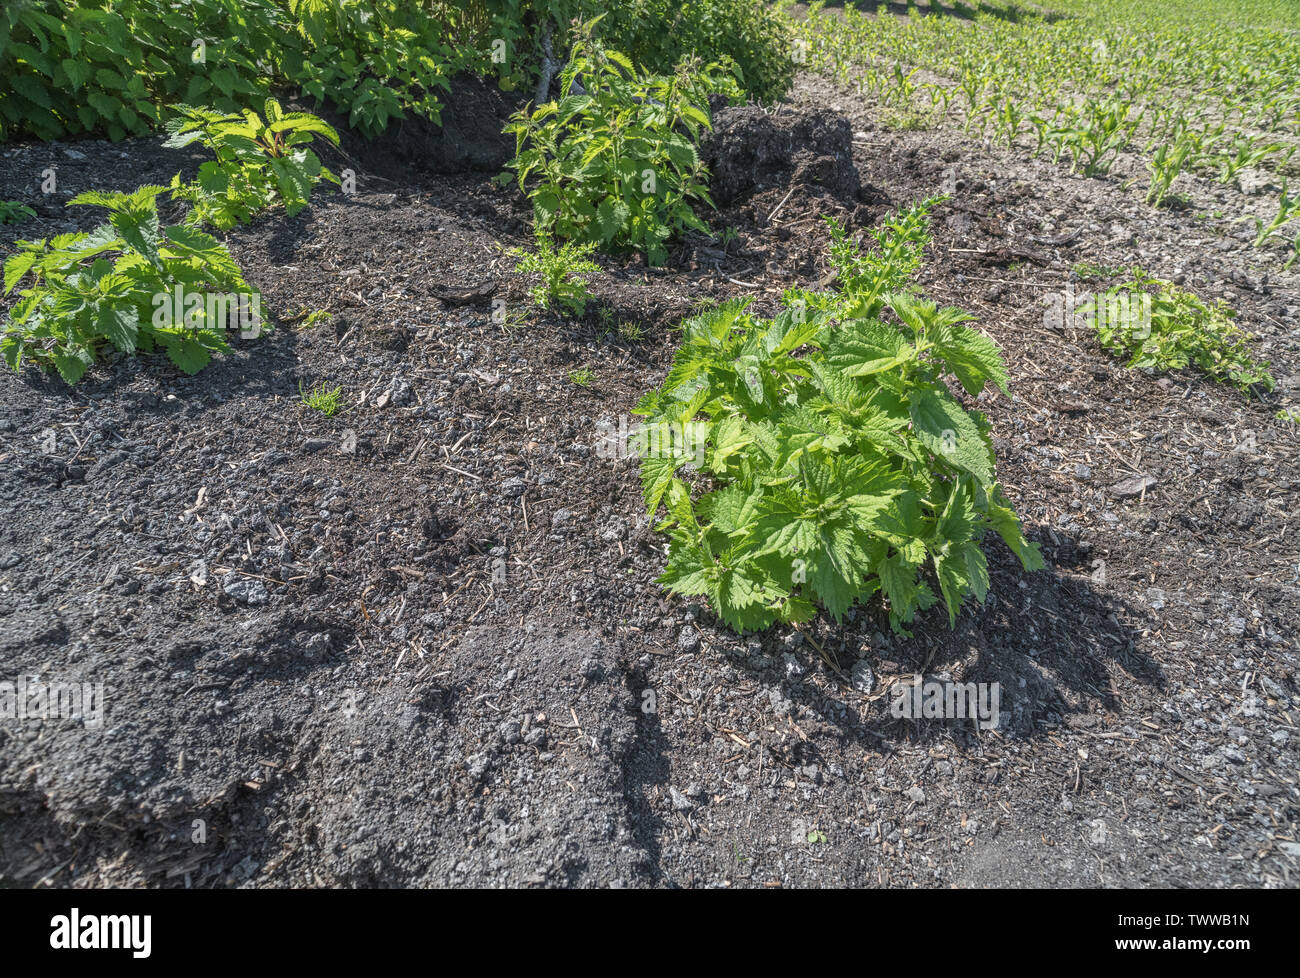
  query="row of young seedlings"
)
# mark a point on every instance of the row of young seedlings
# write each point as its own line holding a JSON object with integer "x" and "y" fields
{"x": 1084, "y": 90}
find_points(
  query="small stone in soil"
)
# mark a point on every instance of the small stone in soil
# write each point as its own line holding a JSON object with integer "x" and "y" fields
{"x": 246, "y": 590}
{"x": 1129, "y": 488}
{"x": 864, "y": 680}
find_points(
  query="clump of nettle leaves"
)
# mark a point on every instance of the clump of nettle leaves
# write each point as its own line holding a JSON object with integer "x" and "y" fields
{"x": 134, "y": 285}
{"x": 259, "y": 162}
{"x": 819, "y": 458}
{"x": 615, "y": 160}
{"x": 562, "y": 272}
{"x": 1160, "y": 327}
{"x": 129, "y": 284}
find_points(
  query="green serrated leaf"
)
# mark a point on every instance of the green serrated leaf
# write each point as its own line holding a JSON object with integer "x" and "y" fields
{"x": 975, "y": 360}
{"x": 943, "y": 426}
{"x": 867, "y": 347}
{"x": 119, "y": 324}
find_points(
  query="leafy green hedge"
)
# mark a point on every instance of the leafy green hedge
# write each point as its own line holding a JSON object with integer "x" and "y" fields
{"x": 93, "y": 66}
{"x": 76, "y": 67}
{"x": 656, "y": 34}
{"x": 112, "y": 66}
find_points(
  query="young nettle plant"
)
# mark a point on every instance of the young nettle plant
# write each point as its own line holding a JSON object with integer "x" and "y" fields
{"x": 259, "y": 163}
{"x": 616, "y": 162}
{"x": 899, "y": 248}
{"x": 13, "y": 212}
{"x": 1162, "y": 327}
{"x": 118, "y": 286}
{"x": 563, "y": 272}
{"x": 837, "y": 464}
{"x": 321, "y": 398}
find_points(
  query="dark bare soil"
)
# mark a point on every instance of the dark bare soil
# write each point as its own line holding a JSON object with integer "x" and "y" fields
{"x": 418, "y": 643}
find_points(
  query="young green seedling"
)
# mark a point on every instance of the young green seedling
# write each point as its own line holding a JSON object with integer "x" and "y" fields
{"x": 1288, "y": 208}
{"x": 564, "y": 272}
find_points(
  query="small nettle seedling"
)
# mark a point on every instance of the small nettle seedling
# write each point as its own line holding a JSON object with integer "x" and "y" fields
{"x": 1162, "y": 327}
{"x": 907, "y": 119}
{"x": 1087, "y": 271}
{"x": 510, "y": 321}
{"x": 305, "y": 318}
{"x": 315, "y": 318}
{"x": 616, "y": 162}
{"x": 327, "y": 402}
{"x": 258, "y": 163}
{"x": 820, "y": 458}
{"x": 581, "y": 377}
{"x": 564, "y": 272}
{"x": 14, "y": 212}
{"x": 131, "y": 285}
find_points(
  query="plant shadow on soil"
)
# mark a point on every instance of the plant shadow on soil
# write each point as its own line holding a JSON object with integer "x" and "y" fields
{"x": 261, "y": 370}
{"x": 1047, "y": 638}
{"x": 1050, "y": 639}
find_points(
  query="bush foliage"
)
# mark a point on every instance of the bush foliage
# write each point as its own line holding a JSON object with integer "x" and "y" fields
{"x": 616, "y": 163}
{"x": 114, "y": 66}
